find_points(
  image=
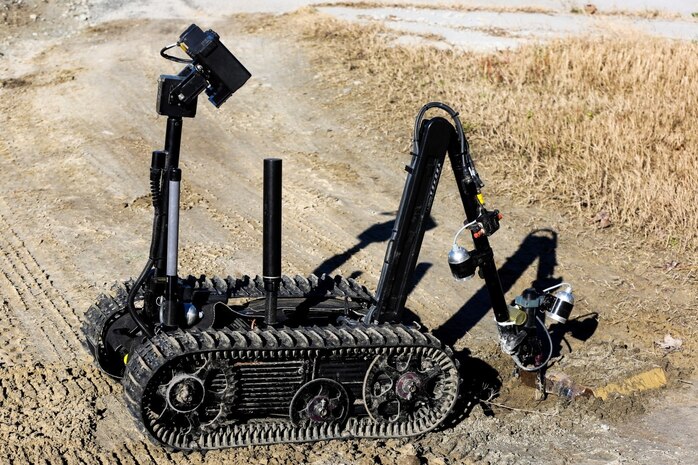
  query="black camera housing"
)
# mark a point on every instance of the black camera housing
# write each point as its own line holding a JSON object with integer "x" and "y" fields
{"x": 212, "y": 68}
{"x": 223, "y": 72}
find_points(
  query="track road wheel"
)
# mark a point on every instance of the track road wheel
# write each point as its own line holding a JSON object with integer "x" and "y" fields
{"x": 399, "y": 387}
{"x": 321, "y": 400}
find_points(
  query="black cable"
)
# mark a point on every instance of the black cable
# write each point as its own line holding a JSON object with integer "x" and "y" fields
{"x": 156, "y": 196}
{"x": 447, "y": 109}
{"x": 464, "y": 146}
{"x": 172, "y": 57}
{"x": 235, "y": 312}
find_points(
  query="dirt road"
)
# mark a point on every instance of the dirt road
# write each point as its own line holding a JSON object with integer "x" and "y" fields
{"x": 78, "y": 124}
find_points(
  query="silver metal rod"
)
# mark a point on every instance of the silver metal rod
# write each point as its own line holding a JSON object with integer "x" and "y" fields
{"x": 172, "y": 227}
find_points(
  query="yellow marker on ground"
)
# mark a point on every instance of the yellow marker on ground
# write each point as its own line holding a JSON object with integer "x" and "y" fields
{"x": 652, "y": 379}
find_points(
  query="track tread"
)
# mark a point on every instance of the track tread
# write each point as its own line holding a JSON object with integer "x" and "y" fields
{"x": 325, "y": 285}
{"x": 272, "y": 344}
{"x": 269, "y": 344}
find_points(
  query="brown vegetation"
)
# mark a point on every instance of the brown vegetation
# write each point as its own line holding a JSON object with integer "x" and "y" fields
{"x": 604, "y": 127}
{"x": 443, "y": 6}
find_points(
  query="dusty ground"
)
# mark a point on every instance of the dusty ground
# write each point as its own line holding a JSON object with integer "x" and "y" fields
{"x": 76, "y": 106}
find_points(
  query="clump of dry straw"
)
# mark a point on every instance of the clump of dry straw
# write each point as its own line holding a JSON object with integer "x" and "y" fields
{"x": 593, "y": 125}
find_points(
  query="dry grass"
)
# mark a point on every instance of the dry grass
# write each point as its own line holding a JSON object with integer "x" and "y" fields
{"x": 602, "y": 127}
{"x": 439, "y": 6}
{"x": 644, "y": 14}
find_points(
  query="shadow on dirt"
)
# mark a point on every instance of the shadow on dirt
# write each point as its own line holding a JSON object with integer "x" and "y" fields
{"x": 481, "y": 379}
{"x": 379, "y": 232}
{"x": 580, "y": 328}
{"x": 540, "y": 245}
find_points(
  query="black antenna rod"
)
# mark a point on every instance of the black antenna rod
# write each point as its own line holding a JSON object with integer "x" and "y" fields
{"x": 271, "y": 272}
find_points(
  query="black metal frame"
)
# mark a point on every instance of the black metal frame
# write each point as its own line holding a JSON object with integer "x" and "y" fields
{"x": 213, "y": 69}
{"x": 438, "y": 137}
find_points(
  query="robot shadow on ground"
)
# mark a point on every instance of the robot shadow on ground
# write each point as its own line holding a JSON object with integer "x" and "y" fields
{"x": 376, "y": 233}
{"x": 541, "y": 245}
{"x": 581, "y": 328}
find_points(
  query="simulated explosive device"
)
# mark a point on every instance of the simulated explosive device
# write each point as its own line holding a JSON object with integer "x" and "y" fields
{"x": 209, "y": 363}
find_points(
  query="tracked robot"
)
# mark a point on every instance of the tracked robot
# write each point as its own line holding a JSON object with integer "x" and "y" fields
{"x": 209, "y": 363}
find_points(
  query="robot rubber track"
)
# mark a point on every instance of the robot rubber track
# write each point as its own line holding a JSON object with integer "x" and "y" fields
{"x": 194, "y": 389}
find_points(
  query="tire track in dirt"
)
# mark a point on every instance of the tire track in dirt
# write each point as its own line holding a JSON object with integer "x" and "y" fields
{"x": 52, "y": 413}
{"x": 39, "y": 313}
{"x": 40, "y": 340}
{"x": 13, "y": 345}
{"x": 49, "y": 413}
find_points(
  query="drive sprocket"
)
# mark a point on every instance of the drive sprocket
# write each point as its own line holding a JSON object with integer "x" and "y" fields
{"x": 405, "y": 385}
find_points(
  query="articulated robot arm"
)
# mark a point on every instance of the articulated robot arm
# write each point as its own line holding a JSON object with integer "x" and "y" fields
{"x": 519, "y": 322}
